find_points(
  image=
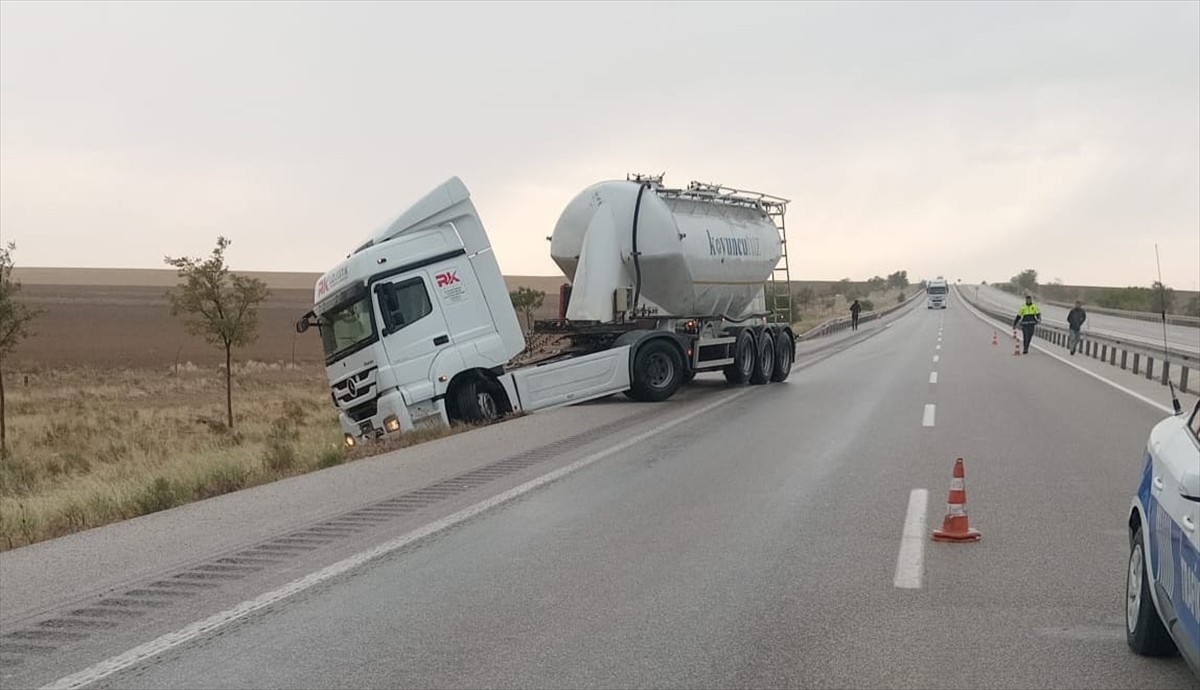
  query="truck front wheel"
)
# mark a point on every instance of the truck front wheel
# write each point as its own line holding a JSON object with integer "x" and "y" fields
{"x": 657, "y": 372}
{"x": 478, "y": 401}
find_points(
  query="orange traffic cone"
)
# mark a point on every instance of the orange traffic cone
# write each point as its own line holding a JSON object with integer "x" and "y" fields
{"x": 1016, "y": 344}
{"x": 994, "y": 341}
{"x": 956, "y": 526}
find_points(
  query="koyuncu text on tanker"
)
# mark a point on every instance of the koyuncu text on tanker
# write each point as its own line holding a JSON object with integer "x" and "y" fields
{"x": 418, "y": 327}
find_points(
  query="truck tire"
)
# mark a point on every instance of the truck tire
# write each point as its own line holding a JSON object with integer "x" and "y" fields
{"x": 1144, "y": 630}
{"x": 479, "y": 401}
{"x": 785, "y": 352}
{"x": 764, "y": 359}
{"x": 657, "y": 371}
{"x": 743, "y": 358}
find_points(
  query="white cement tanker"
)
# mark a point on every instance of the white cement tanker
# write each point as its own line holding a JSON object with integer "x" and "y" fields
{"x": 684, "y": 253}
{"x": 665, "y": 283}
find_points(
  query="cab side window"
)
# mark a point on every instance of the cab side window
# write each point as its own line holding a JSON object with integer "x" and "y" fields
{"x": 403, "y": 303}
{"x": 1195, "y": 423}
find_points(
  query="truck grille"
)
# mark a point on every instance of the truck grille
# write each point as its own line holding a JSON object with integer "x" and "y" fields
{"x": 363, "y": 412}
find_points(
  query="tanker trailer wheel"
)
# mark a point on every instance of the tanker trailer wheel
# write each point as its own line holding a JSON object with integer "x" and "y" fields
{"x": 657, "y": 372}
{"x": 764, "y": 362}
{"x": 479, "y": 401}
{"x": 785, "y": 351}
{"x": 743, "y": 358}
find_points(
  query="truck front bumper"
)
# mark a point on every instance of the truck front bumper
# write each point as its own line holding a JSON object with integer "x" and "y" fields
{"x": 392, "y": 416}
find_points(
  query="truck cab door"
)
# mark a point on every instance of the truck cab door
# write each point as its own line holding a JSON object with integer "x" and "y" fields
{"x": 413, "y": 328}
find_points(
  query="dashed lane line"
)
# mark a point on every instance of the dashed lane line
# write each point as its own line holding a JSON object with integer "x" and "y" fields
{"x": 911, "y": 558}
{"x": 930, "y": 413}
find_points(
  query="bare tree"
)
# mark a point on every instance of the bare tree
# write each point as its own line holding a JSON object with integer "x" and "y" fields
{"x": 14, "y": 326}
{"x": 527, "y": 300}
{"x": 218, "y": 305}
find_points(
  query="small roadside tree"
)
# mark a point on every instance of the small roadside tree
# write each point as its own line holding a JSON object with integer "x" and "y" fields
{"x": 899, "y": 279}
{"x": 527, "y": 300}
{"x": 1026, "y": 281}
{"x": 14, "y": 326}
{"x": 219, "y": 306}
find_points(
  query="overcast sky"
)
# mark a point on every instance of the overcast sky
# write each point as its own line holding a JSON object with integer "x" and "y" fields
{"x": 967, "y": 139}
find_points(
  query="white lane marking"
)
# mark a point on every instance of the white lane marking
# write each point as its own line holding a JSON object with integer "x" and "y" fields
{"x": 1098, "y": 377}
{"x": 169, "y": 641}
{"x": 933, "y": 377}
{"x": 935, "y": 358}
{"x": 930, "y": 411}
{"x": 938, "y": 347}
{"x": 910, "y": 560}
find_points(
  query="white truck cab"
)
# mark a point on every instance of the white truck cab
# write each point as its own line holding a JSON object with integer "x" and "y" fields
{"x": 936, "y": 293}
{"x": 418, "y": 304}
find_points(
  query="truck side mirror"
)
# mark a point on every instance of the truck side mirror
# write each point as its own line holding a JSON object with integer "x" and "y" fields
{"x": 303, "y": 324}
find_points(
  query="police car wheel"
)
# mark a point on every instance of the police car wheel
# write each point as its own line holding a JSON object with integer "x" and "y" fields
{"x": 1144, "y": 630}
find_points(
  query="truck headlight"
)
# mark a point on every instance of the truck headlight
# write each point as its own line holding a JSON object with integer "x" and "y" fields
{"x": 391, "y": 423}
{"x": 349, "y": 441}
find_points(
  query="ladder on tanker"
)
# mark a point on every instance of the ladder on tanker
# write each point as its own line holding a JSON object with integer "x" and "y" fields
{"x": 779, "y": 292}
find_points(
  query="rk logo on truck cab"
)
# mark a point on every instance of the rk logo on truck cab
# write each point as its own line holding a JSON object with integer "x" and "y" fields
{"x": 447, "y": 278}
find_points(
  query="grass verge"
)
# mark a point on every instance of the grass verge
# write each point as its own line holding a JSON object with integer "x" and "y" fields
{"x": 92, "y": 447}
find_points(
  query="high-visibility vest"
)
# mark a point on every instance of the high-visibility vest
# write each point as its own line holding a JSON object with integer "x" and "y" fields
{"x": 1028, "y": 312}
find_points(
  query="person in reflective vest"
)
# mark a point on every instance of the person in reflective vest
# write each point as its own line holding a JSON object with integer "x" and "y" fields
{"x": 1028, "y": 316}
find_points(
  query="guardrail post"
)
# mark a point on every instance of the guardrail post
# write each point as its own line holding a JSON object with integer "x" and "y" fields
{"x": 1124, "y": 356}
{"x": 1136, "y": 358}
{"x": 1149, "y": 367}
{"x": 1103, "y": 352}
{"x": 1166, "y": 372}
{"x": 1112, "y": 359}
{"x": 1183, "y": 376}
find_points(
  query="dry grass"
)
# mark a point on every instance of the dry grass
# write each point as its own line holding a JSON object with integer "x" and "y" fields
{"x": 90, "y": 447}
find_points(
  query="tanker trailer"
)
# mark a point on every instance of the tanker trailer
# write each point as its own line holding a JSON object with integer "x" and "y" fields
{"x": 418, "y": 329}
{"x": 683, "y": 266}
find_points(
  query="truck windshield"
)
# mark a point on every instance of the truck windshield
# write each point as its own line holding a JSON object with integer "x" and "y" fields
{"x": 346, "y": 328}
{"x": 937, "y": 289}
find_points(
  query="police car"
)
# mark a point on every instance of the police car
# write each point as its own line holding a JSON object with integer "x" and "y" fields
{"x": 1162, "y": 602}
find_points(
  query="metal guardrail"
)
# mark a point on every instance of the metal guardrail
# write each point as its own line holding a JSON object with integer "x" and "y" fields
{"x": 1123, "y": 352}
{"x": 841, "y": 323}
{"x": 1173, "y": 319}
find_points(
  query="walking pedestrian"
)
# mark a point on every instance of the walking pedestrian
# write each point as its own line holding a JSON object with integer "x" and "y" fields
{"x": 1028, "y": 316}
{"x": 1075, "y": 319}
{"x": 854, "y": 311}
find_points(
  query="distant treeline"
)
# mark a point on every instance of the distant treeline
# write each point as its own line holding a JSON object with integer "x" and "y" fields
{"x": 1147, "y": 299}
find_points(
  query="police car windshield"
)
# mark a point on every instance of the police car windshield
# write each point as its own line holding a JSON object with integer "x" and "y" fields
{"x": 346, "y": 328}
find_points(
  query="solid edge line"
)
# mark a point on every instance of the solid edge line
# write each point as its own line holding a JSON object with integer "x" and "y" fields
{"x": 911, "y": 557}
{"x": 930, "y": 413}
{"x": 169, "y": 641}
{"x": 1075, "y": 366}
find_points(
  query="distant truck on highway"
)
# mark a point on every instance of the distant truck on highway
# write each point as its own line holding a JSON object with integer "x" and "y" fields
{"x": 418, "y": 327}
{"x": 936, "y": 293}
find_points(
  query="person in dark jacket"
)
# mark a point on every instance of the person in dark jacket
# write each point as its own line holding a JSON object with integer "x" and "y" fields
{"x": 1075, "y": 319}
{"x": 1028, "y": 316}
{"x": 854, "y": 311}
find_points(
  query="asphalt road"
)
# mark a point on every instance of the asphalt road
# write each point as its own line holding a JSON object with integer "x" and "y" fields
{"x": 1183, "y": 338}
{"x": 738, "y": 540}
